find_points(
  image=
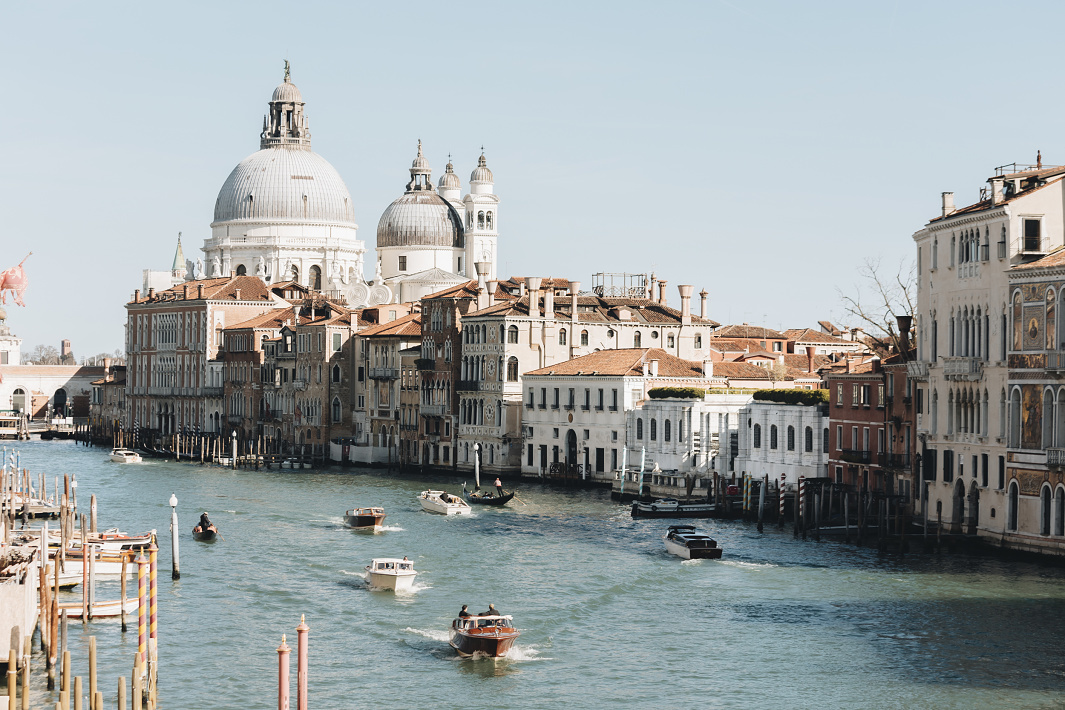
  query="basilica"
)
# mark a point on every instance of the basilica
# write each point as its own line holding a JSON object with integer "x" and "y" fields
{"x": 285, "y": 215}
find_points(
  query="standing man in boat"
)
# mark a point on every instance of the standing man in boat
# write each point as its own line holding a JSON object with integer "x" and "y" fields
{"x": 205, "y": 522}
{"x": 499, "y": 487}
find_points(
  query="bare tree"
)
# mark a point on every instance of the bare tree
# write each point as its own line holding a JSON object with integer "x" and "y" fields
{"x": 42, "y": 355}
{"x": 879, "y": 297}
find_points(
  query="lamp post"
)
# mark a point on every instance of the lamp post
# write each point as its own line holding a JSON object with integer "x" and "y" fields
{"x": 477, "y": 466}
{"x": 176, "y": 574}
{"x": 234, "y": 459}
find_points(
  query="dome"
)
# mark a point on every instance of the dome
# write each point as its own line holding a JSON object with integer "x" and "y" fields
{"x": 288, "y": 93}
{"x": 285, "y": 183}
{"x": 481, "y": 173}
{"x": 420, "y": 218}
{"x": 449, "y": 180}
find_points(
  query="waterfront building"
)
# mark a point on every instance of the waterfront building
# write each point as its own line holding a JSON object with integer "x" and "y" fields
{"x": 899, "y": 461}
{"x": 857, "y": 399}
{"x": 247, "y": 386}
{"x": 778, "y": 439}
{"x": 410, "y": 436}
{"x": 971, "y": 325}
{"x": 799, "y": 339}
{"x": 10, "y": 344}
{"x": 107, "y": 405}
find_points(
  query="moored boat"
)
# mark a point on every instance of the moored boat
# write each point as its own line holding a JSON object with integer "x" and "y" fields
{"x": 490, "y": 636}
{"x": 101, "y": 609}
{"x": 443, "y": 503}
{"x": 369, "y": 519}
{"x": 125, "y": 456}
{"x": 672, "y": 508}
{"x": 687, "y": 542}
{"x": 390, "y": 573}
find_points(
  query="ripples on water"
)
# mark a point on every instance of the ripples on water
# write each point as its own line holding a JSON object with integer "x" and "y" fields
{"x": 607, "y": 617}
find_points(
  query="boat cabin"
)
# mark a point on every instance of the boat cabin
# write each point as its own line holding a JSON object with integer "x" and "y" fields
{"x": 484, "y": 622}
{"x": 389, "y": 565}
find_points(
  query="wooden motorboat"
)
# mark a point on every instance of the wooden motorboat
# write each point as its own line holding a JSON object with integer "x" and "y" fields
{"x": 479, "y": 497}
{"x": 489, "y": 636}
{"x": 125, "y": 456}
{"x": 687, "y": 542}
{"x": 390, "y": 573}
{"x": 369, "y": 519}
{"x": 109, "y": 608}
{"x": 443, "y": 503}
{"x": 672, "y": 508}
{"x": 208, "y": 535}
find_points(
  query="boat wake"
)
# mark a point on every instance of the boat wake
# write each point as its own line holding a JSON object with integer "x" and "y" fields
{"x": 525, "y": 653}
{"x": 414, "y": 589}
{"x": 746, "y": 565}
{"x": 434, "y": 634}
{"x": 389, "y": 528}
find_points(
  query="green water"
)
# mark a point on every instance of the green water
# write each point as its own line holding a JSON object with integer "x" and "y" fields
{"x": 607, "y": 617}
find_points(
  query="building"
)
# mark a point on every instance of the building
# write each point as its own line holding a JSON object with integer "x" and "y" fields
{"x": 857, "y": 398}
{"x": 783, "y": 441}
{"x": 107, "y": 405}
{"x": 799, "y": 339}
{"x": 10, "y": 345}
{"x": 410, "y": 389}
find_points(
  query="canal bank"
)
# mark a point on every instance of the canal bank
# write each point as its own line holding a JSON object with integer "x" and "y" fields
{"x": 607, "y": 617}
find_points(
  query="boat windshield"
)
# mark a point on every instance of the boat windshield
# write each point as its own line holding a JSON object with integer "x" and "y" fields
{"x": 406, "y": 565}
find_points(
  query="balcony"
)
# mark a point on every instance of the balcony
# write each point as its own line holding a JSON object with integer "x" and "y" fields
{"x": 425, "y": 363}
{"x": 1056, "y": 458}
{"x": 901, "y": 461}
{"x": 917, "y": 370}
{"x": 857, "y": 456}
{"x": 1055, "y": 360}
{"x": 299, "y": 385}
{"x": 212, "y": 391}
{"x": 431, "y": 410}
{"x": 963, "y": 368}
{"x": 468, "y": 386}
{"x": 384, "y": 373}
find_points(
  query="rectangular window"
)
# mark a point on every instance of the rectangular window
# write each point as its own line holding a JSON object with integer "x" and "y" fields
{"x": 543, "y": 398}
{"x": 586, "y": 435}
{"x": 587, "y": 399}
{"x": 532, "y": 399}
{"x": 855, "y": 394}
{"x": 613, "y": 436}
{"x": 839, "y": 474}
{"x": 336, "y": 342}
{"x": 614, "y": 459}
{"x": 839, "y": 395}
{"x": 554, "y": 433}
{"x": 599, "y": 406}
{"x": 948, "y": 466}
{"x": 447, "y": 454}
{"x": 529, "y": 458}
{"x": 880, "y": 396}
{"x": 362, "y": 401}
{"x": 614, "y": 401}
{"x": 555, "y": 405}
{"x": 402, "y": 263}
{"x": 1032, "y": 241}
{"x": 572, "y": 398}
{"x": 880, "y": 440}
{"x": 543, "y": 455}
{"x": 361, "y": 375}
{"x": 1001, "y": 472}
{"x": 839, "y": 437}
{"x": 854, "y": 438}
{"x": 866, "y": 395}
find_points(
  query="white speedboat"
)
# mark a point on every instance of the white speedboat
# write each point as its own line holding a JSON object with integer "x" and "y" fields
{"x": 125, "y": 456}
{"x": 443, "y": 503}
{"x": 687, "y": 542}
{"x": 390, "y": 573}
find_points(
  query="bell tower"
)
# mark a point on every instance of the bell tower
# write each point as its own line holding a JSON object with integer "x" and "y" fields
{"x": 482, "y": 218}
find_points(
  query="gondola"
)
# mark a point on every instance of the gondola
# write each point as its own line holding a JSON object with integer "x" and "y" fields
{"x": 208, "y": 535}
{"x": 487, "y": 497}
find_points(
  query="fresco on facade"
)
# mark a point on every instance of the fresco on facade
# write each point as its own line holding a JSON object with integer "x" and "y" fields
{"x": 1030, "y": 481}
{"x": 1033, "y": 327}
{"x": 1031, "y": 417}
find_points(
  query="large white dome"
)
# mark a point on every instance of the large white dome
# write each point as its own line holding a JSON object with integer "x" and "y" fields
{"x": 283, "y": 183}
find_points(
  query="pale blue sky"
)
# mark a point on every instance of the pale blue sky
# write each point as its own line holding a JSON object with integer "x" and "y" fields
{"x": 760, "y": 150}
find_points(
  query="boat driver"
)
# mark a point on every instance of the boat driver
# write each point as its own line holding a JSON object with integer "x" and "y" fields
{"x": 205, "y": 522}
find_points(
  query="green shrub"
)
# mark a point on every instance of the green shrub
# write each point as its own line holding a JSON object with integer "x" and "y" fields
{"x": 676, "y": 392}
{"x": 792, "y": 396}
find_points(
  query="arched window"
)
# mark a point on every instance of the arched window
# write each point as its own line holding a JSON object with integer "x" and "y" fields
{"x": 241, "y": 270}
{"x": 584, "y": 337}
{"x": 1018, "y": 321}
{"x": 295, "y": 272}
{"x": 512, "y": 334}
{"x": 1051, "y": 321}
{"x": 562, "y": 336}
{"x": 666, "y": 430}
{"x": 637, "y": 339}
{"x": 512, "y": 369}
{"x": 639, "y": 429}
{"x": 480, "y": 220}
{"x": 337, "y": 414}
{"x": 1045, "y": 510}
{"x": 809, "y": 439}
{"x": 488, "y": 220}
{"x": 791, "y": 438}
{"x": 773, "y": 436}
{"x": 1015, "y": 418}
{"x": 1011, "y": 507}
{"x": 1059, "y": 512}
{"x": 654, "y": 429}
{"x": 1048, "y": 418}
{"x": 757, "y": 438}
{"x": 314, "y": 277}
{"x": 336, "y": 373}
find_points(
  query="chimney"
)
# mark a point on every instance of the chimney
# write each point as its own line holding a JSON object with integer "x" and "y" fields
{"x": 685, "y": 304}
{"x": 904, "y": 323}
{"x": 662, "y": 292}
{"x": 107, "y": 369}
{"x": 151, "y": 293}
{"x": 521, "y": 290}
{"x": 948, "y": 203}
{"x": 651, "y": 290}
{"x": 482, "y": 295}
{"x": 850, "y": 364}
{"x": 810, "y": 350}
{"x": 185, "y": 292}
{"x": 708, "y": 368}
{"x": 996, "y": 190}
{"x": 532, "y": 286}
{"x": 549, "y": 302}
{"x": 702, "y": 303}
{"x": 237, "y": 292}
{"x": 654, "y": 368}
{"x": 574, "y": 289}
{"x": 136, "y": 295}
{"x": 490, "y": 286}
{"x": 199, "y": 291}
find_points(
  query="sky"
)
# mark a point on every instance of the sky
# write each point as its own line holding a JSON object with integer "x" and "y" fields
{"x": 760, "y": 150}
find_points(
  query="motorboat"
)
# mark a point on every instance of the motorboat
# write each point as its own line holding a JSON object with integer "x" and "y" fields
{"x": 489, "y": 636}
{"x": 391, "y": 573}
{"x": 672, "y": 508}
{"x": 113, "y": 541}
{"x": 369, "y": 519}
{"x": 125, "y": 456}
{"x": 208, "y": 535}
{"x": 443, "y": 503}
{"x": 101, "y": 609}
{"x": 687, "y": 542}
{"x": 479, "y": 497}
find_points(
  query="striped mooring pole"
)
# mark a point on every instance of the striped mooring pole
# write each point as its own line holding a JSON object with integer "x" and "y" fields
{"x": 780, "y": 501}
{"x": 142, "y": 607}
{"x": 800, "y": 510}
{"x": 153, "y": 552}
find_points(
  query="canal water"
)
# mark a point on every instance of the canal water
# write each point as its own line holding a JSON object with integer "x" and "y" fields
{"x": 607, "y": 618}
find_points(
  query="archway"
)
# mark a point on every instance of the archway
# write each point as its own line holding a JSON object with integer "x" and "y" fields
{"x": 571, "y": 448}
{"x": 314, "y": 278}
{"x": 242, "y": 270}
{"x": 957, "y": 516}
{"x": 18, "y": 400}
{"x": 974, "y": 508}
{"x": 59, "y": 402}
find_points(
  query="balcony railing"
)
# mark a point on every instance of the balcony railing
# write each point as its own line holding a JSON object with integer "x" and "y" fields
{"x": 299, "y": 385}
{"x": 896, "y": 460}
{"x": 212, "y": 391}
{"x": 857, "y": 456}
{"x": 963, "y": 368}
{"x": 917, "y": 370}
{"x": 1056, "y": 458}
{"x": 1055, "y": 360}
{"x": 384, "y": 373}
{"x": 468, "y": 386}
{"x": 431, "y": 410}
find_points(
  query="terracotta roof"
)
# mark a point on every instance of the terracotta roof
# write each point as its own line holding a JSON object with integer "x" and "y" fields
{"x": 986, "y": 204}
{"x": 271, "y": 320}
{"x": 799, "y": 361}
{"x": 829, "y": 328}
{"x": 593, "y": 309}
{"x": 625, "y": 363}
{"x": 809, "y": 335}
{"x": 408, "y": 325}
{"x": 467, "y": 290}
{"x": 1054, "y": 258}
{"x": 251, "y": 288}
{"x": 728, "y": 345}
{"x": 740, "y": 371}
{"x": 545, "y": 282}
{"x": 744, "y": 331}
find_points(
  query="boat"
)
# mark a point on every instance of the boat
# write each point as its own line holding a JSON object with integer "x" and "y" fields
{"x": 208, "y": 535}
{"x": 390, "y": 573}
{"x": 478, "y": 497}
{"x": 443, "y": 503}
{"x": 113, "y": 541}
{"x": 125, "y": 456}
{"x": 490, "y": 636}
{"x": 687, "y": 542}
{"x": 369, "y": 519}
{"x": 672, "y": 508}
{"x": 101, "y": 609}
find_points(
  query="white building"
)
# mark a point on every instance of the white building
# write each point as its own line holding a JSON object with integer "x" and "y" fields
{"x": 788, "y": 440}
{"x": 10, "y": 345}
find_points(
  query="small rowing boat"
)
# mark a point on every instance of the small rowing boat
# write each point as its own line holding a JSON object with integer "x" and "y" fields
{"x": 208, "y": 535}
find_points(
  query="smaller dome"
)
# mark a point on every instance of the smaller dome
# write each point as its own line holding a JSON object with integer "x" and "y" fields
{"x": 420, "y": 164}
{"x": 481, "y": 173}
{"x": 449, "y": 180}
{"x": 287, "y": 92}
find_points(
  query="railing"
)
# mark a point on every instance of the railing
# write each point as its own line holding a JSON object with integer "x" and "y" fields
{"x": 431, "y": 410}
{"x": 963, "y": 367}
{"x": 1056, "y": 458}
{"x": 896, "y": 460}
{"x": 384, "y": 373}
{"x": 468, "y": 386}
{"x": 917, "y": 370}
{"x": 856, "y": 456}
{"x": 212, "y": 391}
{"x": 299, "y": 385}
{"x": 1055, "y": 360}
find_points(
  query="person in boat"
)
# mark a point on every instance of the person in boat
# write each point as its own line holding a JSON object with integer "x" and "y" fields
{"x": 492, "y": 611}
{"x": 205, "y": 522}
